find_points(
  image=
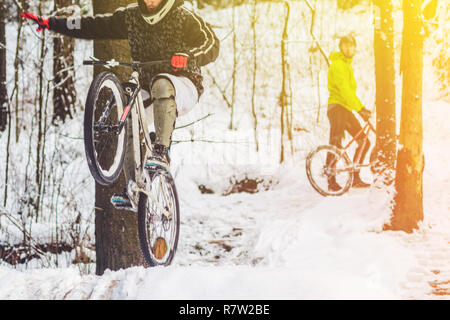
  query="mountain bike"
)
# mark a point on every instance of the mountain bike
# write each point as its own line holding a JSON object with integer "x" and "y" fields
{"x": 326, "y": 161}
{"x": 115, "y": 128}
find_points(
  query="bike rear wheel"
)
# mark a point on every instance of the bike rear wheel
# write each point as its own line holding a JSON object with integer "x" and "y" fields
{"x": 158, "y": 219}
{"x": 319, "y": 170}
{"x": 105, "y": 146}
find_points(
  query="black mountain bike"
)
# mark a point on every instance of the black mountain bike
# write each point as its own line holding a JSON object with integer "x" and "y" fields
{"x": 115, "y": 129}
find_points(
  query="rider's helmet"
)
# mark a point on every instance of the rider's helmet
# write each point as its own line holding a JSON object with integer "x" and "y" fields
{"x": 153, "y": 17}
{"x": 347, "y": 39}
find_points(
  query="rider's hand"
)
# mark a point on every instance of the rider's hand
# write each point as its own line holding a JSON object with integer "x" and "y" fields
{"x": 179, "y": 61}
{"x": 365, "y": 114}
{"x": 42, "y": 22}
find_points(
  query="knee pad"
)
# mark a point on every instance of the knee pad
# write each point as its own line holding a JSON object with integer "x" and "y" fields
{"x": 164, "y": 110}
{"x": 162, "y": 88}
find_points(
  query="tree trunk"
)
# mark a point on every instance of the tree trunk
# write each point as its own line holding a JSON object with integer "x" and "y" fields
{"x": 17, "y": 65}
{"x": 233, "y": 89}
{"x": 385, "y": 91}
{"x": 285, "y": 95}
{"x": 255, "y": 67}
{"x": 40, "y": 121}
{"x": 64, "y": 94}
{"x": 408, "y": 201}
{"x": 116, "y": 238}
{"x": 3, "y": 91}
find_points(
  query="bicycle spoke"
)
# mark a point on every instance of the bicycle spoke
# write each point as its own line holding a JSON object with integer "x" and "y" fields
{"x": 105, "y": 114}
{"x": 162, "y": 232}
{"x": 105, "y": 144}
{"x": 329, "y": 170}
{"x": 164, "y": 193}
{"x": 168, "y": 203}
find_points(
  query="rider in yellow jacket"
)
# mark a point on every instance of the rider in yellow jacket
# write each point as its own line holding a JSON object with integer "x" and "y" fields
{"x": 342, "y": 102}
{"x": 342, "y": 83}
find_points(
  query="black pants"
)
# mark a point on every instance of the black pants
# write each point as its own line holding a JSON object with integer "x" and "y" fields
{"x": 342, "y": 120}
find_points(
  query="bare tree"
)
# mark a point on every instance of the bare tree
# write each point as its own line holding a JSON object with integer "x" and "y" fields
{"x": 255, "y": 67}
{"x": 116, "y": 239}
{"x": 233, "y": 76}
{"x": 385, "y": 90}
{"x": 15, "y": 93}
{"x": 64, "y": 94}
{"x": 22, "y": 6}
{"x": 408, "y": 201}
{"x": 311, "y": 32}
{"x": 40, "y": 121}
{"x": 285, "y": 95}
{"x": 3, "y": 91}
{"x": 315, "y": 47}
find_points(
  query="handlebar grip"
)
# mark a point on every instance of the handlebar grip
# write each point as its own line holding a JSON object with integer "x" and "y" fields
{"x": 89, "y": 62}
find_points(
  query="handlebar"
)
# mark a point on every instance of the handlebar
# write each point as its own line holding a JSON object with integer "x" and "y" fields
{"x": 114, "y": 63}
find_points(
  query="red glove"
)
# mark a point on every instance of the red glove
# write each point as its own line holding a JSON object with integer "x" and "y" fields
{"x": 179, "y": 61}
{"x": 42, "y": 22}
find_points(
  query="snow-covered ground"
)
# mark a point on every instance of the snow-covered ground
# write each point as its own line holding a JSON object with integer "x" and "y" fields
{"x": 287, "y": 242}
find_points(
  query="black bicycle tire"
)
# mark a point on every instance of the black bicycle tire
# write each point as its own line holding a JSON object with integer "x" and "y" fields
{"x": 88, "y": 132}
{"x": 142, "y": 223}
{"x": 311, "y": 178}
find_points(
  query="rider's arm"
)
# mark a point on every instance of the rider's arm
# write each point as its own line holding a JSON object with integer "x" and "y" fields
{"x": 203, "y": 45}
{"x": 110, "y": 26}
{"x": 341, "y": 79}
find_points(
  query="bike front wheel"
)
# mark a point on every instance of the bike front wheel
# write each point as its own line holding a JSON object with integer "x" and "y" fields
{"x": 158, "y": 219}
{"x": 105, "y": 144}
{"x": 328, "y": 163}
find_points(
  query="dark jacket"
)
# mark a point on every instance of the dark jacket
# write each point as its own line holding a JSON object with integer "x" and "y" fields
{"x": 180, "y": 31}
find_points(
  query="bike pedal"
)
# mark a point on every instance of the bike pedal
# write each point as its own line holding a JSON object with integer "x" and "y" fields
{"x": 155, "y": 166}
{"x": 124, "y": 207}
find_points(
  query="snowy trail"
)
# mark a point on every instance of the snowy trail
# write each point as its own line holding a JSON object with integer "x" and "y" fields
{"x": 285, "y": 243}
{"x": 430, "y": 278}
{"x": 265, "y": 229}
{"x": 279, "y": 248}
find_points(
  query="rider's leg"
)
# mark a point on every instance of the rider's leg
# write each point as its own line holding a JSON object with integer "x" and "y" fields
{"x": 172, "y": 96}
{"x": 357, "y": 182}
{"x": 353, "y": 127}
{"x": 164, "y": 110}
{"x": 336, "y": 116}
{"x": 165, "y": 115}
{"x": 337, "y": 132}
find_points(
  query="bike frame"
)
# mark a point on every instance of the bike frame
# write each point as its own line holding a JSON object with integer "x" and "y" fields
{"x": 139, "y": 121}
{"x": 356, "y": 165}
